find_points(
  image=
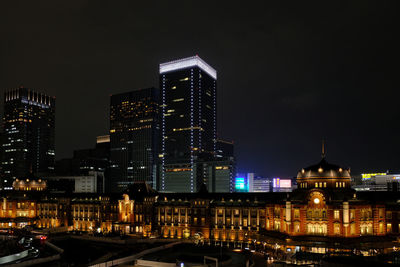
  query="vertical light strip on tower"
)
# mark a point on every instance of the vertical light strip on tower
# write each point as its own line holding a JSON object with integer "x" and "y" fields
{"x": 198, "y": 69}
{"x": 215, "y": 118}
{"x": 191, "y": 130}
{"x": 163, "y": 135}
{"x": 200, "y": 131}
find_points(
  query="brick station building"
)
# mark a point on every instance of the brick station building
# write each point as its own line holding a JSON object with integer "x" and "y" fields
{"x": 323, "y": 214}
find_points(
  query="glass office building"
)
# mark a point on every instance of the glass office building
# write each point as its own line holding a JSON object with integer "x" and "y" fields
{"x": 28, "y": 134}
{"x": 188, "y": 122}
{"x": 133, "y": 138}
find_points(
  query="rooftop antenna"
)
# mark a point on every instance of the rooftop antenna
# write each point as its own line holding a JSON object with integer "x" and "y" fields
{"x": 323, "y": 149}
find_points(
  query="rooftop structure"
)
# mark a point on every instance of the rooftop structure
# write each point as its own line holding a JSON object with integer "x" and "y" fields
{"x": 188, "y": 62}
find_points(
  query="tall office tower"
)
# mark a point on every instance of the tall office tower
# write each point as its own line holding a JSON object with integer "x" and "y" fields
{"x": 188, "y": 122}
{"x": 1, "y": 157}
{"x": 29, "y": 134}
{"x": 87, "y": 160}
{"x": 134, "y": 135}
{"x": 224, "y": 149}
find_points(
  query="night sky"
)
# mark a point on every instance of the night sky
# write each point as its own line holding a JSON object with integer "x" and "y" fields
{"x": 289, "y": 73}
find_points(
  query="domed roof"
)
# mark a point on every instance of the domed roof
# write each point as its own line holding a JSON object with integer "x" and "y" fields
{"x": 324, "y": 170}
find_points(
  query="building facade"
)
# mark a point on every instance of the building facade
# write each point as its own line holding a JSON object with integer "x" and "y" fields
{"x": 224, "y": 149}
{"x": 134, "y": 136}
{"x": 259, "y": 184}
{"x": 29, "y": 134}
{"x": 324, "y": 214}
{"x": 385, "y": 181}
{"x": 188, "y": 121}
{"x": 92, "y": 182}
{"x": 217, "y": 174}
{"x": 324, "y": 209}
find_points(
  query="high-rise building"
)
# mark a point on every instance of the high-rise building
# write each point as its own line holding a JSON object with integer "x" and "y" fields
{"x": 87, "y": 160}
{"x": 1, "y": 157}
{"x": 94, "y": 159}
{"x": 134, "y": 137}
{"x": 29, "y": 134}
{"x": 224, "y": 148}
{"x": 188, "y": 122}
{"x": 221, "y": 178}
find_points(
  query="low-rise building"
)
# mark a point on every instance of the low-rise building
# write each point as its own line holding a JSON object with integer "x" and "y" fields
{"x": 323, "y": 214}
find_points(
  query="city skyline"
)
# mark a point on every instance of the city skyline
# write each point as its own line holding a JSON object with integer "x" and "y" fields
{"x": 185, "y": 133}
{"x": 287, "y": 76}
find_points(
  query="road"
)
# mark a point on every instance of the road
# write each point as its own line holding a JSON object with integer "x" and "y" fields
{"x": 259, "y": 260}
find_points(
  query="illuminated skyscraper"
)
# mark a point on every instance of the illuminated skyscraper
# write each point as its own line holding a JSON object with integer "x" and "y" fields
{"x": 29, "y": 134}
{"x": 188, "y": 122}
{"x": 133, "y": 137}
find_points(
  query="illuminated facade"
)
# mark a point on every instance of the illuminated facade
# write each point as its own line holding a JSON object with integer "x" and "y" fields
{"x": 53, "y": 211}
{"x": 29, "y": 134}
{"x": 134, "y": 135}
{"x": 91, "y": 212}
{"x": 323, "y": 214}
{"x": 136, "y": 210}
{"x": 18, "y": 210}
{"x": 188, "y": 121}
{"x": 29, "y": 185}
{"x": 323, "y": 209}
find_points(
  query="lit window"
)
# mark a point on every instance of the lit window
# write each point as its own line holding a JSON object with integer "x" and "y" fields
{"x": 336, "y": 214}
{"x": 296, "y": 213}
{"x": 353, "y": 229}
{"x": 297, "y": 227}
{"x": 336, "y": 229}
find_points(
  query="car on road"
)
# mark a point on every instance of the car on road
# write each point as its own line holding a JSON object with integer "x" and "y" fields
{"x": 26, "y": 241}
{"x": 41, "y": 237}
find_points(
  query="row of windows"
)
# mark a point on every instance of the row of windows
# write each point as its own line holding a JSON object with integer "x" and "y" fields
{"x": 320, "y": 184}
{"x": 323, "y": 185}
{"x": 340, "y": 184}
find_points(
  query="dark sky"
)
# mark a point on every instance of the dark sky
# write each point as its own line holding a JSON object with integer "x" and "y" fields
{"x": 289, "y": 73}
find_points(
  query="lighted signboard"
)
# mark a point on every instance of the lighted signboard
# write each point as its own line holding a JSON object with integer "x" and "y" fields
{"x": 281, "y": 183}
{"x": 366, "y": 176}
{"x": 240, "y": 184}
